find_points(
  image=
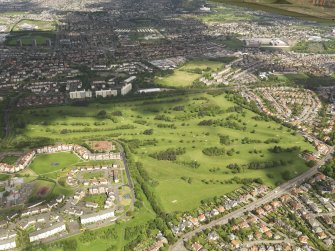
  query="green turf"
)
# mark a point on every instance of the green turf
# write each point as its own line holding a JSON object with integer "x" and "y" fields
{"x": 172, "y": 192}
{"x": 225, "y": 15}
{"x": 99, "y": 199}
{"x": 185, "y": 75}
{"x": 9, "y": 160}
{"x": 39, "y": 24}
{"x": 4, "y": 177}
{"x": 45, "y": 164}
{"x": 27, "y": 38}
{"x": 93, "y": 175}
{"x": 39, "y": 185}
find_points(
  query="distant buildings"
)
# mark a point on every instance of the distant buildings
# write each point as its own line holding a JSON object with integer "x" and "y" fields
{"x": 81, "y": 94}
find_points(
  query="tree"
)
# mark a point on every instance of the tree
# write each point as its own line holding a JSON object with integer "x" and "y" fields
{"x": 102, "y": 114}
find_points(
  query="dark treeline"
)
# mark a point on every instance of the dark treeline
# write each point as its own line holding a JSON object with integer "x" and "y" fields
{"x": 168, "y": 154}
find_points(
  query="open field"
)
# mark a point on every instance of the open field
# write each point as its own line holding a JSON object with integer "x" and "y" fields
{"x": 92, "y": 175}
{"x": 225, "y": 15}
{"x": 36, "y": 25}
{"x": 325, "y": 47}
{"x": 98, "y": 198}
{"x": 27, "y": 38}
{"x": 42, "y": 188}
{"x": 9, "y": 159}
{"x": 306, "y": 80}
{"x": 52, "y": 163}
{"x": 233, "y": 43}
{"x": 185, "y": 75}
{"x": 152, "y": 127}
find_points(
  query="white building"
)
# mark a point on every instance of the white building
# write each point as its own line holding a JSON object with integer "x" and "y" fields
{"x": 106, "y": 93}
{"x": 126, "y": 89}
{"x": 7, "y": 234}
{"x": 47, "y": 232}
{"x": 7, "y": 244}
{"x": 205, "y": 9}
{"x": 81, "y": 94}
{"x": 130, "y": 79}
{"x": 95, "y": 217}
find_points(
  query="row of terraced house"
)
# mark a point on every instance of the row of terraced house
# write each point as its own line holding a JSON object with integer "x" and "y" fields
{"x": 81, "y": 151}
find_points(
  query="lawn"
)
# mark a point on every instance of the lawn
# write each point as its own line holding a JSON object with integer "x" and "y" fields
{"x": 46, "y": 164}
{"x": 42, "y": 189}
{"x": 38, "y": 25}
{"x": 98, "y": 198}
{"x": 175, "y": 123}
{"x": 28, "y": 37}
{"x": 91, "y": 175}
{"x": 4, "y": 177}
{"x": 233, "y": 43}
{"x": 185, "y": 75}
{"x": 223, "y": 14}
{"x": 9, "y": 159}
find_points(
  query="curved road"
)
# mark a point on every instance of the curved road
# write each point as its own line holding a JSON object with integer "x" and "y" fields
{"x": 278, "y": 191}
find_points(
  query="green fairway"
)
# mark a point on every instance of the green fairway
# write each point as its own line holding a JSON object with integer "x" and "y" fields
{"x": 185, "y": 75}
{"x": 52, "y": 163}
{"x": 178, "y": 184}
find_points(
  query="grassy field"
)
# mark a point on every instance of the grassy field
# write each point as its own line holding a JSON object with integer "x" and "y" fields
{"x": 9, "y": 159}
{"x": 233, "y": 43}
{"x": 223, "y": 14}
{"x": 27, "y": 38}
{"x": 308, "y": 81}
{"x": 324, "y": 47}
{"x": 4, "y": 176}
{"x": 175, "y": 123}
{"x": 98, "y": 198}
{"x": 46, "y": 164}
{"x": 185, "y": 75}
{"x": 92, "y": 175}
{"x": 37, "y": 25}
{"x": 42, "y": 188}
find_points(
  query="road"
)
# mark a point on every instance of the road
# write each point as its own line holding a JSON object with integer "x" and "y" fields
{"x": 130, "y": 183}
{"x": 277, "y": 192}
